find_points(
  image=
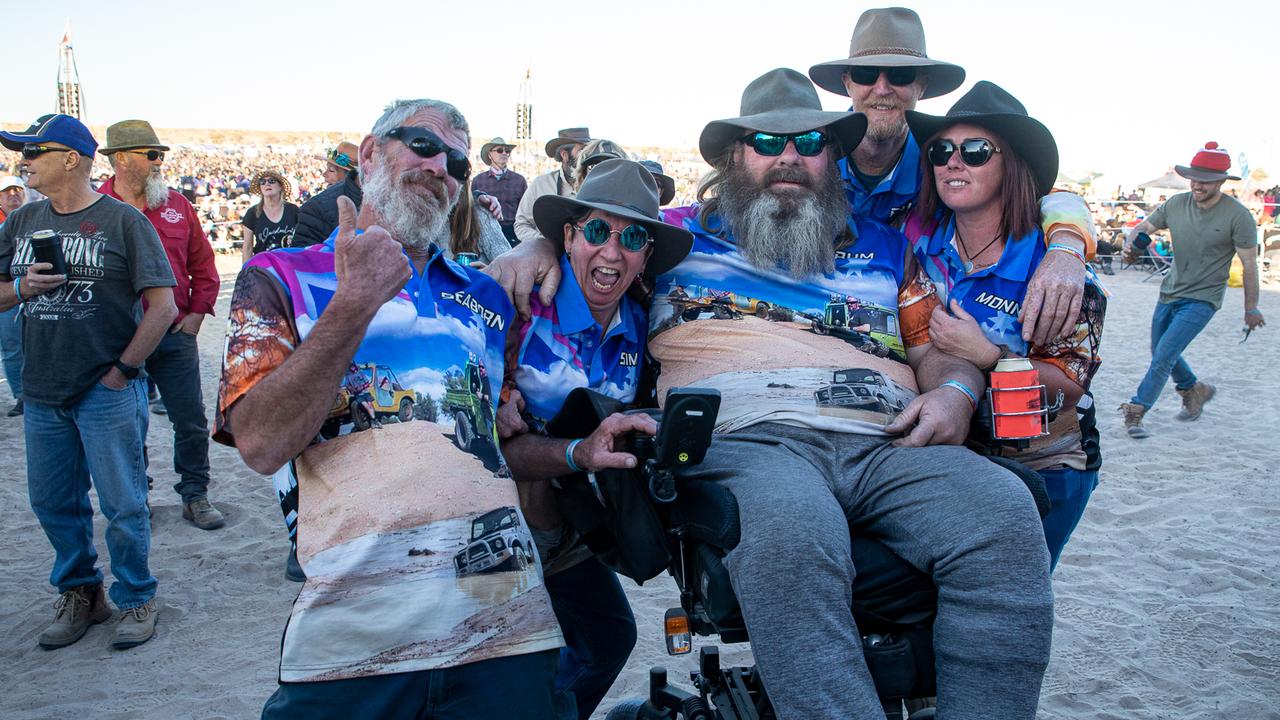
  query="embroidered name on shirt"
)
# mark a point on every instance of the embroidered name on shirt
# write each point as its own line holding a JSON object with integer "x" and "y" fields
{"x": 468, "y": 301}
{"x": 842, "y": 255}
{"x": 629, "y": 359}
{"x": 998, "y": 303}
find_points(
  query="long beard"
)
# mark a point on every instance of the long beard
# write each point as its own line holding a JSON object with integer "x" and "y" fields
{"x": 414, "y": 218}
{"x": 795, "y": 229}
{"x": 156, "y": 191}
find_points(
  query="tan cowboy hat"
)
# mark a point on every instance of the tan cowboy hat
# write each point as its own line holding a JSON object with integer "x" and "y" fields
{"x": 568, "y": 136}
{"x": 255, "y": 187}
{"x": 346, "y": 156}
{"x": 623, "y": 188}
{"x": 781, "y": 101}
{"x": 494, "y": 143}
{"x": 888, "y": 37}
{"x": 131, "y": 135}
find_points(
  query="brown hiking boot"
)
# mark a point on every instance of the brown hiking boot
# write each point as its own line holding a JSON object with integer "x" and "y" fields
{"x": 202, "y": 514}
{"x": 1133, "y": 413}
{"x": 137, "y": 626}
{"x": 78, "y": 608}
{"x": 1193, "y": 400}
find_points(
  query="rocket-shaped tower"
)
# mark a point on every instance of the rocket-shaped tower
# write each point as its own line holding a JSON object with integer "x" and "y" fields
{"x": 524, "y": 138}
{"x": 70, "y": 96}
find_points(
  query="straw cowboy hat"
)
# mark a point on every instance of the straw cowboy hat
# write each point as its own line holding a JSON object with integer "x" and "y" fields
{"x": 781, "y": 101}
{"x": 991, "y": 106}
{"x": 131, "y": 135}
{"x": 1210, "y": 164}
{"x": 889, "y": 37}
{"x": 255, "y": 187}
{"x": 623, "y": 188}
{"x": 494, "y": 143}
{"x": 568, "y": 136}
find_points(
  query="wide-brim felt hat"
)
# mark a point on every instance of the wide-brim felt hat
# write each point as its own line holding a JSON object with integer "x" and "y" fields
{"x": 131, "y": 135}
{"x": 494, "y": 143}
{"x": 255, "y": 186}
{"x": 568, "y": 136}
{"x": 623, "y": 188}
{"x": 889, "y": 37}
{"x": 781, "y": 101}
{"x": 666, "y": 184}
{"x": 991, "y": 106}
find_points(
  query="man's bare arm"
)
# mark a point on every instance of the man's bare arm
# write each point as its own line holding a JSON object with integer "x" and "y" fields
{"x": 940, "y": 415}
{"x": 1249, "y": 276}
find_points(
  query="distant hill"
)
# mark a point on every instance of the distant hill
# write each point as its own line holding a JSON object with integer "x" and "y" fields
{"x": 216, "y": 136}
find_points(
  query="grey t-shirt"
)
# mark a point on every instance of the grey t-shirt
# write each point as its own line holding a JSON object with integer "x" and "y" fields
{"x": 75, "y": 333}
{"x": 1204, "y": 241}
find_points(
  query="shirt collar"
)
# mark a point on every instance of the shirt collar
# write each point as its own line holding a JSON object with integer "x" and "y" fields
{"x": 1015, "y": 261}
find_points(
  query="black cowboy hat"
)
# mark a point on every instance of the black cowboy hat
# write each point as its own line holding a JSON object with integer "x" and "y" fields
{"x": 992, "y": 107}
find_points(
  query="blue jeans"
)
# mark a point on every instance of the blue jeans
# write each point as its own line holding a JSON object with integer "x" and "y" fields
{"x": 11, "y": 348}
{"x": 175, "y": 367}
{"x": 1173, "y": 326}
{"x": 1069, "y": 491}
{"x": 599, "y": 631}
{"x": 519, "y": 686}
{"x": 99, "y": 437}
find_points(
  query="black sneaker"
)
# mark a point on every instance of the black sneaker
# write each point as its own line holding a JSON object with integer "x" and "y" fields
{"x": 16, "y": 410}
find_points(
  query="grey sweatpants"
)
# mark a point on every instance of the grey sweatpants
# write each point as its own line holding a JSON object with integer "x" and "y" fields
{"x": 971, "y": 525}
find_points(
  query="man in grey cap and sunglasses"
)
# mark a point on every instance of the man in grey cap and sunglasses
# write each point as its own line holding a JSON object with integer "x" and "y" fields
{"x": 886, "y": 73}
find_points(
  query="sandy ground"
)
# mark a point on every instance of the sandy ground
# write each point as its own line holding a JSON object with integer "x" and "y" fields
{"x": 1168, "y": 597}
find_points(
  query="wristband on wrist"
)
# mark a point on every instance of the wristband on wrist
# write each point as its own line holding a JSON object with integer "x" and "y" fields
{"x": 17, "y": 282}
{"x": 1254, "y": 311}
{"x": 568, "y": 456}
{"x": 973, "y": 399}
{"x": 1066, "y": 249}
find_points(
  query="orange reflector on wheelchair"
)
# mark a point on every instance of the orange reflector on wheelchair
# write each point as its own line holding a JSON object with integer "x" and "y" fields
{"x": 679, "y": 639}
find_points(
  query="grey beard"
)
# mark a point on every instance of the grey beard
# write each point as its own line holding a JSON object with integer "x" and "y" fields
{"x": 156, "y": 191}
{"x": 412, "y": 219}
{"x": 784, "y": 231}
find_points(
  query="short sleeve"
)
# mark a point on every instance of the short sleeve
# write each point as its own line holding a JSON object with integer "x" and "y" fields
{"x": 916, "y": 300}
{"x": 261, "y": 335}
{"x": 1244, "y": 231}
{"x": 1157, "y": 218}
{"x": 6, "y": 249}
{"x": 250, "y": 219}
{"x": 148, "y": 263}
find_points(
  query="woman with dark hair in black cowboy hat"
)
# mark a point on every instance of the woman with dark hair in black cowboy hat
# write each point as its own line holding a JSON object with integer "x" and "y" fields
{"x": 977, "y": 233}
{"x": 592, "y": 335}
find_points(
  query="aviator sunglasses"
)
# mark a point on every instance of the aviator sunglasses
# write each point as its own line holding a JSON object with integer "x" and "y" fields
{"x": 807, "y": 144}
{"x": 974, "y": 152}
{"x": 426, "y": 144}
{"x": 898, "y": 76}
{"x": 31, "y": 152}
{"x": 633, "y": 238}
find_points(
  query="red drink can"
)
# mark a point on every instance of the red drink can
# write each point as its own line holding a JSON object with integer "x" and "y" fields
{"x": 1016, "y": 394}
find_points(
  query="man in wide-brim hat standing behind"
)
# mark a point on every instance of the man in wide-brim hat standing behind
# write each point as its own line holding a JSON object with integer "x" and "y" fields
{"x": 1208, "y": 228}
{"x": 886, "y": 73}
{"x": 137, "y": 156}
{"x": 500, "y": 181}
{"x": 564, "y": 147}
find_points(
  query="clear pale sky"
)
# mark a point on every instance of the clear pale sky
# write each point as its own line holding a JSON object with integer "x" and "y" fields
{"x": 1130, "y": 88}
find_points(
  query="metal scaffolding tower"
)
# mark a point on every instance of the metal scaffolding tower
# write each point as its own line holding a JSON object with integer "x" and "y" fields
{"x": 70, "y": 95}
